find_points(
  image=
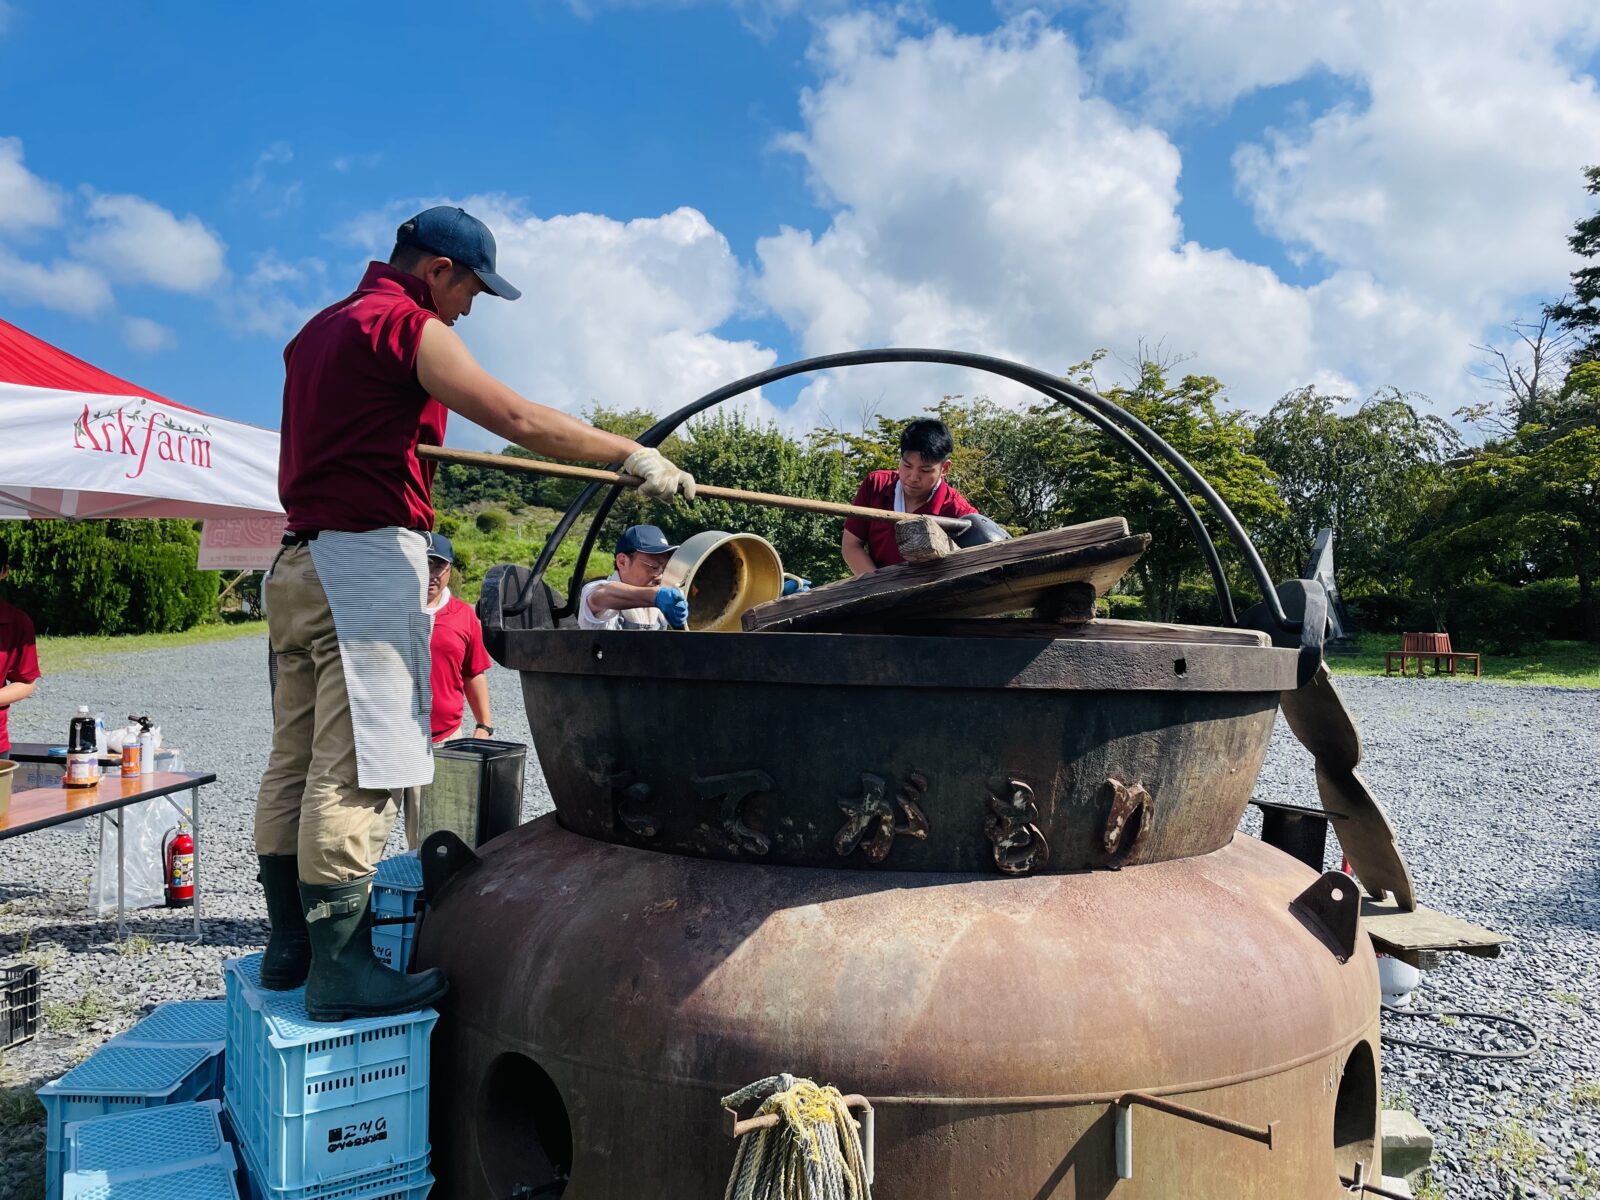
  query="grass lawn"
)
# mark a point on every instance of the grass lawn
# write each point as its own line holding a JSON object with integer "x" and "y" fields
{"x": 1557, "y": 664}
{"x": 60, "y": 654}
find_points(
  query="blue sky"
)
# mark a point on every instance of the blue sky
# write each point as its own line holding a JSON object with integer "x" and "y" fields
{"x": 1343, "y": 195}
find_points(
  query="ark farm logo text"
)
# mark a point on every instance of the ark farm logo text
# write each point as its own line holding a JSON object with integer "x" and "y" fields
{"x": 134, "y": 428}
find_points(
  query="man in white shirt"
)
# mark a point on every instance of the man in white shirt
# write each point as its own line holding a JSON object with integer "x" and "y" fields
{"x": 633, "y": 598}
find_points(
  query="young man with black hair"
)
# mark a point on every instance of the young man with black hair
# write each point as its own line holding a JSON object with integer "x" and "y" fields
{"x": 918, "y": 485}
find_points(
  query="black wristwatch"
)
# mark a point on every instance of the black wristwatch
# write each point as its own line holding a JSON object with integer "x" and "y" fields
{"x": 489, "y": 729}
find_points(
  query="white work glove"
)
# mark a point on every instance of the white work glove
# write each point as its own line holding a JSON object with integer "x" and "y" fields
{"x": 660, "y": 479}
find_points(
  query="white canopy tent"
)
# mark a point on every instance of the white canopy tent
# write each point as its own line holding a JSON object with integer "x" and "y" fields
{"x": 80, "y": 443}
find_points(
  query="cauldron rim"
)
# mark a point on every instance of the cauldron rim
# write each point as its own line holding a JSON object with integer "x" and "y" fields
{"x": 899, "y": 660}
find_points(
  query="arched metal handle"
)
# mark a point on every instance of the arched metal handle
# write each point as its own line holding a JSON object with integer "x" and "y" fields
{"x": 1126, "y": 430}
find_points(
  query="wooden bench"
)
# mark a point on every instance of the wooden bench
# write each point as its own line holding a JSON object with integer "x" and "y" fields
{"x": 1423, "y": 646}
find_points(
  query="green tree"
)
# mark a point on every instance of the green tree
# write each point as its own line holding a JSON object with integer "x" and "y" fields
{"x": 733, "y": 451}
{"x": 1580, "y": 312}
{"x": 1527, "y": 507}
{"x": 1102, "y": 481}
{"x": 1366, "y": 474}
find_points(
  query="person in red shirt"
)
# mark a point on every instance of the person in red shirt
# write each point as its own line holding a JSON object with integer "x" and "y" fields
{"x": 458, "y": 675}
{"x": 366, "y": 381}
{"x": 918, "y": 485}
{"x": 19, "y": 658}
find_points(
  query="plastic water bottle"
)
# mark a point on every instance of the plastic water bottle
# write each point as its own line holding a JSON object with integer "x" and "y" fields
{"x": 99, "y": 733}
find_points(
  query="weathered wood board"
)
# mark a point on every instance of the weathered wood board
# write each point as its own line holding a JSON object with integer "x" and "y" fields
{"x": 1097, "y": 631}
{"x": 999, "y": 577}
{"x": 1409, "y": 936}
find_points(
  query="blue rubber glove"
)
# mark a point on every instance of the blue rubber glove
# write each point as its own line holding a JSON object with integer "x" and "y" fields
{"x": 672, "y": 602}
{"x": 795, "y": 584}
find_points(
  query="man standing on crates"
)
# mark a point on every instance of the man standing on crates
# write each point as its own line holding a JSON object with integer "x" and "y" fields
{"x": 367, "y": 381}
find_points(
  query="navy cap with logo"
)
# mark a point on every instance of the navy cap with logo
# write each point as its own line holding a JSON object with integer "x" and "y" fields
{"x": 644, "y": 539}
{"x": 439, "y": 547}
{"x": 459, "y": 236}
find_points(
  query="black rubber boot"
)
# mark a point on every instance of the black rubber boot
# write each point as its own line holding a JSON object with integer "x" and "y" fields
{"x": 288, "y": 953}
{"x": 346, "y": 980}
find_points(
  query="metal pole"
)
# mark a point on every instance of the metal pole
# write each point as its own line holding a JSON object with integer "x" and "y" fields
{"x": 119, "y": 820}
{"x": 1124, "y": 1141}
{"x": 194, "y": 819}
{"x": 1223, "y": 1124}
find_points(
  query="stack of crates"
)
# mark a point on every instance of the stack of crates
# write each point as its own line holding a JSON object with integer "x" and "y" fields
{"x": 119, "y": 1079}
{"x": 175, "y": 1151}
{"x": 395, "y": 889}
{"x": 201, "y": 1023}
{"x": 325, "y": 1110}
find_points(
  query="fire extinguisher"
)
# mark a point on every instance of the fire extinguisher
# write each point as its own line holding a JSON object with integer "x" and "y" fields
{"x": 177, "y": 855}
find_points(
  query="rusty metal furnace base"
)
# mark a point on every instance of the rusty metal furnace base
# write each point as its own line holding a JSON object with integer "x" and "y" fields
{"x": 604, "y": 998}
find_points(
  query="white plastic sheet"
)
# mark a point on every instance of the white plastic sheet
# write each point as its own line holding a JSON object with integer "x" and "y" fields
{"x": 144, "y": 825}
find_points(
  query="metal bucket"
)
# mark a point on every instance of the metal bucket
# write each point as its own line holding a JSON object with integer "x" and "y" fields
{"x": 723, "y": 575}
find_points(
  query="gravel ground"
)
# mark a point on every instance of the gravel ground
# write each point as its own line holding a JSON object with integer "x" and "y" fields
{"x": 1495, "y": 792}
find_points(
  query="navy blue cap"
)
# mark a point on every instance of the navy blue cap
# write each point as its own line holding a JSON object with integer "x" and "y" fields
{"x": 643, "y": 539}
{"x": 459, "y": 236}
{"x": 439, "y": 547}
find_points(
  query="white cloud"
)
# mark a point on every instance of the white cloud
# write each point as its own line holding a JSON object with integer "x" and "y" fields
{"x": 760, "y": 16}
{"x": 984, "y": 196}
{"x": 147, "y": 336}
{"x": 344, "y": 163}
{"x": 277, "y": 296}
{"x": 617, "y": 313}
{"x": 26, "y": 201}
{"x": 137, "y": 241}
{"x": 64, "y": 285}
{"x": 263, "y": 186}
{"x": 985, "y": 200}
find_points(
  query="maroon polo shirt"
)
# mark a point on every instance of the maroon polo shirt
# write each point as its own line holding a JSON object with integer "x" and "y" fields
{"x": 458, "y": 655}
{"x": 354, "y": 413}
{"x": 19, "y": 658}
{"x": 877, "y": 491}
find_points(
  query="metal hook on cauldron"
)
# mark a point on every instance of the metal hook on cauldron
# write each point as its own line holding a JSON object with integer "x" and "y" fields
{"x": 1124, "y": 1105}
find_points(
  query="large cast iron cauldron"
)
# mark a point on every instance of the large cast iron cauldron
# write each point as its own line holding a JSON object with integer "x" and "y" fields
{"x": 992, "y": 884}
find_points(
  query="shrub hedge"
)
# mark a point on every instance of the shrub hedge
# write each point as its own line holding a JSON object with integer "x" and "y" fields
{"x": 109, "y": 576}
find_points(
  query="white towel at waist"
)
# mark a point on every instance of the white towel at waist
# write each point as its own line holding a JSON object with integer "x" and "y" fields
{"x": 377, "y": 584}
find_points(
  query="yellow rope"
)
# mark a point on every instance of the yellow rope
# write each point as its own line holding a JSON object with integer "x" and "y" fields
{"x": 813, "y": 1153}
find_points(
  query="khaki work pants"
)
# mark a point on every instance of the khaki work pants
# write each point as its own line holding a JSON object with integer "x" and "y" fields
{"x": 310, "y": 803}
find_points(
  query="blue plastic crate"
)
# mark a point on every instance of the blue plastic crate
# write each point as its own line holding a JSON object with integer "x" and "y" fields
{"x": 151, "y": 1138}
{"x": 396, "y": 888}
{"x": 202, "y": 1181}
{"x": 392, "y": 1179}
{"x": 401, "y": 873}
{"x": 186, "y": 1023}
{"x": 182, "y": 1023}
{"x": 314, "y": 1101}
{"x": 116, "y": 1080}
{"x": 241, "y": 979}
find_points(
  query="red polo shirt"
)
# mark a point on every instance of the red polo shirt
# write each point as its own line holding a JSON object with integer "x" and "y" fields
{"x": 877, "y": 491}
{"x": 19, "y": 659}
{"x": 354, "y": 413}
{"x": 458, "y": 655}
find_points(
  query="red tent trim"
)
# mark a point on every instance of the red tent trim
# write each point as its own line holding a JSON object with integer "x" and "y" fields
{"x": 26, "y": 360}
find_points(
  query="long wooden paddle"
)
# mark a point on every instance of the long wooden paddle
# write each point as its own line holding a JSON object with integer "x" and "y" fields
{"x": 504, "y": 462}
